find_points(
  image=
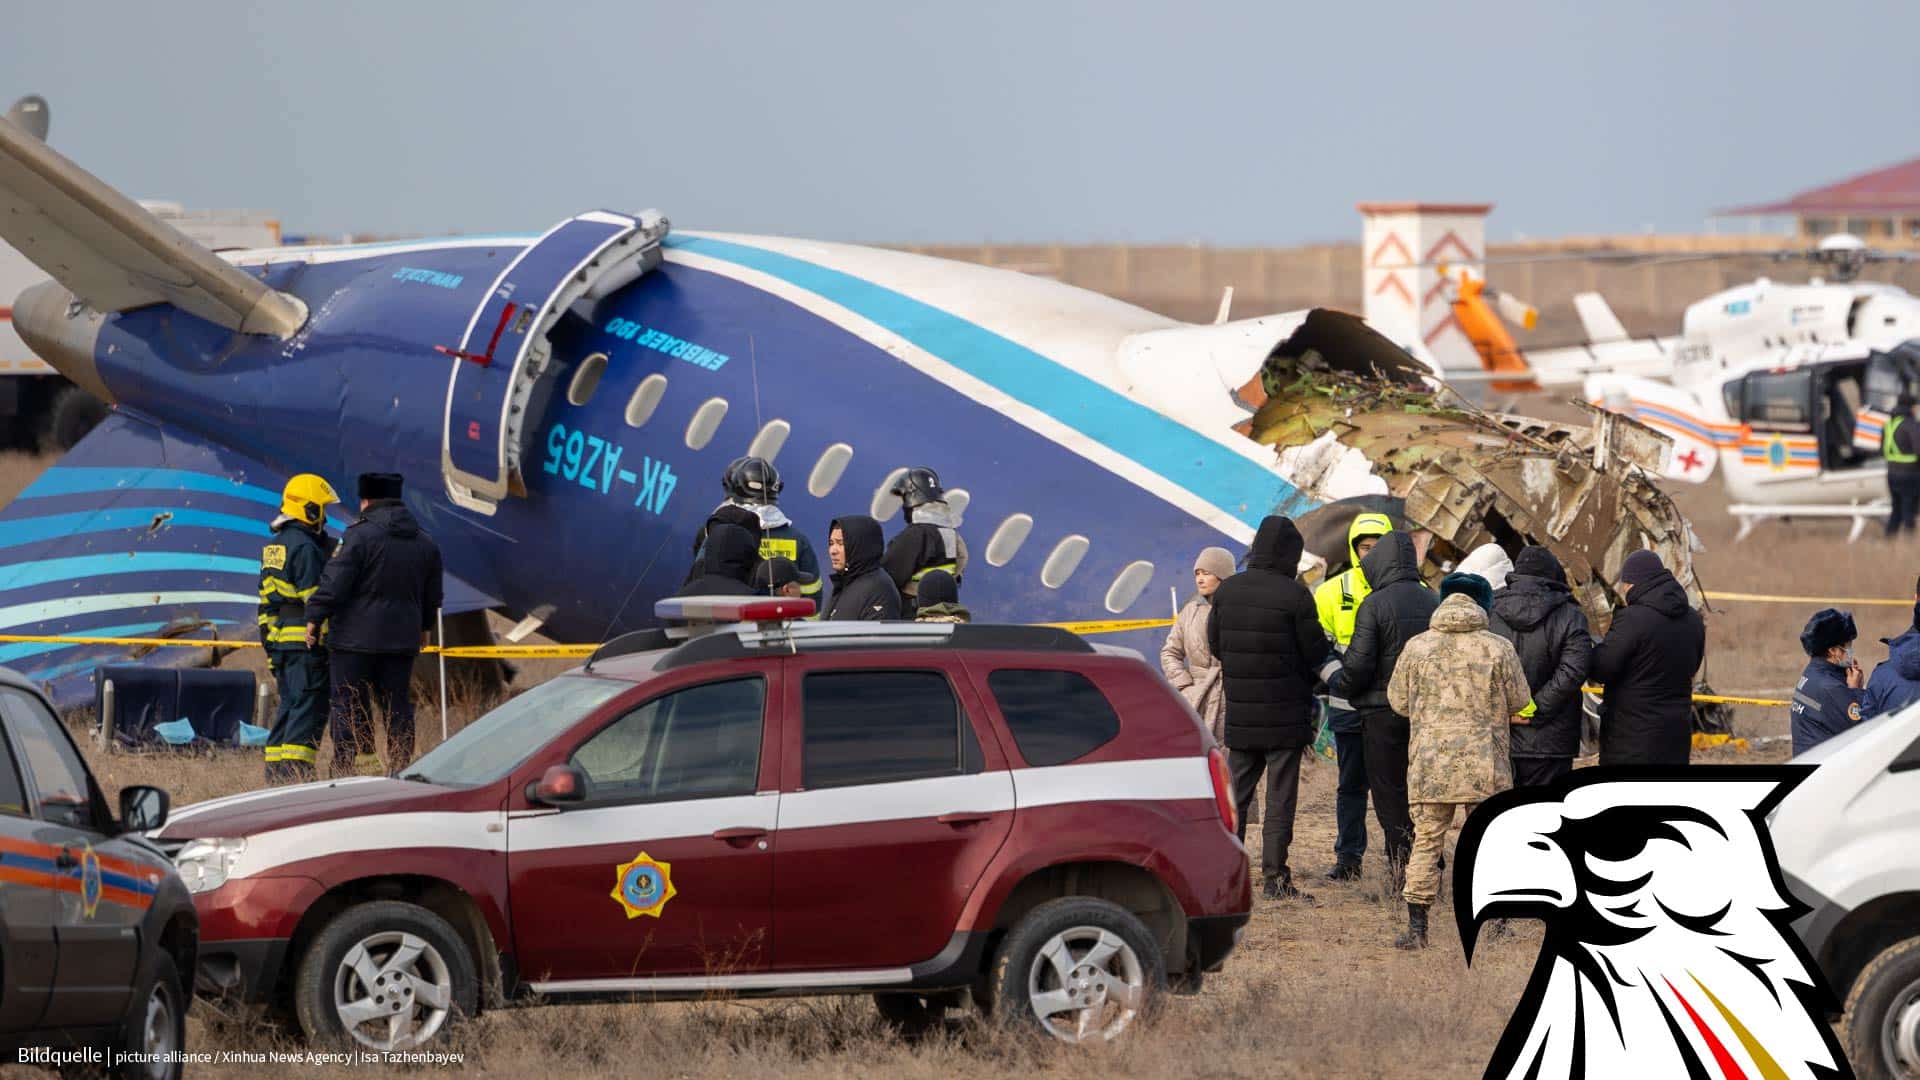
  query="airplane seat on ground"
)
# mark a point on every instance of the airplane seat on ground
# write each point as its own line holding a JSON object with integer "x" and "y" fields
{"x": 149, "y": 706}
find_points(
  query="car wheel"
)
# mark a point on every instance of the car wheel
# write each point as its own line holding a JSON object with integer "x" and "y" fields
{"x": 156, "y": 1027}
{"x": 1883, "y": 1015}
{"x": 386, "y": 975}
{"x": 1079, "y": 969}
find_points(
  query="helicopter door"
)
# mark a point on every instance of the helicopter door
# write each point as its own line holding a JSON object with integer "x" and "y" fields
{"x": 1778, "y": 409}
{"x": 1840, "y": 392}
{"x": 498, "y": 383}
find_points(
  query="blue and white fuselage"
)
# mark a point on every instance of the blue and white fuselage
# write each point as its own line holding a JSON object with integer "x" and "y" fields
{"x": 1093, "y": 439}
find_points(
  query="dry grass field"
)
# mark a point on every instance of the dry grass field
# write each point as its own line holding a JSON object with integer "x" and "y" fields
{"x": 1314, "y": 990}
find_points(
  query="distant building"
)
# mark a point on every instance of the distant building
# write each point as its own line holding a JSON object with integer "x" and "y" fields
{"x": 1875, "y": 206}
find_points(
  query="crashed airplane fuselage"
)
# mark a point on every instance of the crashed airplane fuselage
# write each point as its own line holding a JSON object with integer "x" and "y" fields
{"x": 563, "y": 405}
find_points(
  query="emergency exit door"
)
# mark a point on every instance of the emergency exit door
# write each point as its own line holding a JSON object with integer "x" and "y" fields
{"x": 502, "y": 361}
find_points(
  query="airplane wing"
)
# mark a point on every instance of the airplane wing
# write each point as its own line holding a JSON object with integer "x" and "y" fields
{"x": 140, "y": 531}
{"x": 115, "y": 255}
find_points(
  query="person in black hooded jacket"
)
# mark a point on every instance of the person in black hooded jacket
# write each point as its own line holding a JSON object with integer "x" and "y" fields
{"x": 1399, "y": 608}
{"x": 1549, "y": 631}
{"x": 861, "y": 589}
{"x": 726, "y": 567}
{"x": 1646, "y": 665}
{"x": 378, "y": 596}
{"x": 1265, "y": 633}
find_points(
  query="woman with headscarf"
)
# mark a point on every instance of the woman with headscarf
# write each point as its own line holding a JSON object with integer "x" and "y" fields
{"x": 1189, "y": 664}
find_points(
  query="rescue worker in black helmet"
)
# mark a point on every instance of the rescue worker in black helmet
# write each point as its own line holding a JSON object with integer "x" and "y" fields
{"x": 290, "y": 567}
{"x": 931, "y": 541}
{"x": 753, "y": 488}
{"x": 1827, "y": 700}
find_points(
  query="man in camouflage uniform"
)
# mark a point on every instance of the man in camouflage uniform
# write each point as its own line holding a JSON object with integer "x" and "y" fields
{"x": 1459, "y": 685}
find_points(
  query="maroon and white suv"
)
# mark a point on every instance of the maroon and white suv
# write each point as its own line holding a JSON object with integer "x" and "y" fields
{"x": 924, "y": 812}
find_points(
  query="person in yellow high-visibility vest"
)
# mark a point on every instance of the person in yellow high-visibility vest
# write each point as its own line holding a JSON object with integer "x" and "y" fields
{"x": 1337, "y": 600}
{"x": 1900, "y": 446}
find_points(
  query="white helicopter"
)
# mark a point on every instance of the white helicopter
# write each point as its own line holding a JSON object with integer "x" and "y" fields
{"x": 1783, "y": 389}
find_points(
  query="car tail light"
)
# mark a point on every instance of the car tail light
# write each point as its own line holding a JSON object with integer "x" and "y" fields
{"x": 1222, "y": 788}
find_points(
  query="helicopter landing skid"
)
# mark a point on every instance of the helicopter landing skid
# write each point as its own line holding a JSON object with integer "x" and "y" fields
{"x": 1752, "y": 514}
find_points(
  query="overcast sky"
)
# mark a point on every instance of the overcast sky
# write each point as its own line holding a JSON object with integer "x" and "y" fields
{"x": 1239, "y": 123}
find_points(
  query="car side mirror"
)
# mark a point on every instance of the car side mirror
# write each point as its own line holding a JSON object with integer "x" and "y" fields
{"x": 559, "y": 785}
{"x": 143, "y": 809}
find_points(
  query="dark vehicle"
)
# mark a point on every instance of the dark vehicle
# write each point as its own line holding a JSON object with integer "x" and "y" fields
{"x": 97, "y": 931}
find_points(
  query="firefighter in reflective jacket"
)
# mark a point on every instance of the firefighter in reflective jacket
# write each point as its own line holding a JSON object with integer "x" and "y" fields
{"x": 289, "y": 572}
{"x": 931, "y": 541}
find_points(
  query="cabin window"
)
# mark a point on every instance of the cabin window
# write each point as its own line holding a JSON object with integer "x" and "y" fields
{"x": 587, "y": 379}
{"x": 1128, "y": 586}
{"x": 706, "y": 421}
{"x": 885, "y": 503}
{"x": 828, "y": 470}
{"x": 772, "y": 437}
{"x": 646, "y": 398}
{"x": 1064, "y": 560}
{"x": 1780, "y": 401}
{"x": 1007, "y": 539}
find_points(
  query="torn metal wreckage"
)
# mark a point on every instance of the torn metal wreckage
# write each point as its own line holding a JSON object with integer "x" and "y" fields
{"x": 1468, "y": 476}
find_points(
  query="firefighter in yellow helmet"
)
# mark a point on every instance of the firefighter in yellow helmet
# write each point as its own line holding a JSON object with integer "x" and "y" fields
{"x": 290, "y": 568}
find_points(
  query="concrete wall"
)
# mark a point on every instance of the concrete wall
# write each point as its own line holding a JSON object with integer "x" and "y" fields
{"x": 1186, "y": 282}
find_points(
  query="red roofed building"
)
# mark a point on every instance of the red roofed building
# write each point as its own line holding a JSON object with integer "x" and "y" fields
{"x": 1879, "y": 205}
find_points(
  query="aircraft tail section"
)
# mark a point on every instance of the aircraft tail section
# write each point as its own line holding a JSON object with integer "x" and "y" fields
{"x": 140, "y": 531}
{"x": 113, "y": 254}
{"x": 1597, "y": 318}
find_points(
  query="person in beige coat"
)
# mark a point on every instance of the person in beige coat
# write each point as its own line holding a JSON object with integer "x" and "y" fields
{"x": 1189, "y": 664}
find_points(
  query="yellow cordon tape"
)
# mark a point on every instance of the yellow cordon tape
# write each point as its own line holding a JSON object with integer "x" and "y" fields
{"x": 576, "y": 652}
{"x": 1109, "y": 626}
{"x": 505, "y": 652}
{"x": 1823, "y": 601}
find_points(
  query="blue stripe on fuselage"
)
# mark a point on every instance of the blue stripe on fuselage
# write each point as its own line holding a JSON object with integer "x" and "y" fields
{"x": 70, "y": 480}
{"x": 34, "y": 530}
{"x": 1234, "y": 484}
{"x": 79, "y": 567}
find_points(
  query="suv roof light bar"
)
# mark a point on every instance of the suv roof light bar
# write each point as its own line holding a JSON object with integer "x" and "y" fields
{"x": 745, "y": 641}
{"x": 733, "y": 609}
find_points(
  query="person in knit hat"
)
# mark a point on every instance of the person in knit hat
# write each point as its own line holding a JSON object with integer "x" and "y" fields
{"x": 1188, "y": 663}
{"x": 1646, "y": 667}
{"x": 1461, "y": 688}
{"x": 1475, "y": 587}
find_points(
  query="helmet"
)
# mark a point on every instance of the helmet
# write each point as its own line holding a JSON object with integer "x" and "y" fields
{"x": 306, "y": 498}
{"x": 918, "y": 486}
{"x": 752, "y": 479}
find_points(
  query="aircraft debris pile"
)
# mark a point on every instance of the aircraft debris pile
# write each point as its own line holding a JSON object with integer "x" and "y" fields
{"x": 1470, "y": 476}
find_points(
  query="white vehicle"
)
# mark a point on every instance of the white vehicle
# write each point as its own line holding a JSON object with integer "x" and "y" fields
{"x": 38, "y": 406}
{"x": 1848, "y": 840}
